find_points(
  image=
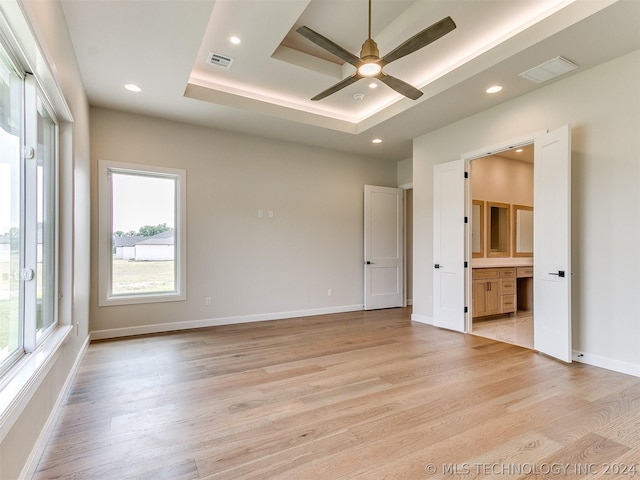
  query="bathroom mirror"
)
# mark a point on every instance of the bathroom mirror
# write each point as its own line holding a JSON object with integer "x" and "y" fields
{"x": 498, "y": 229}
{"x": 477, "y": 228}
{"x": 522, "y": 231}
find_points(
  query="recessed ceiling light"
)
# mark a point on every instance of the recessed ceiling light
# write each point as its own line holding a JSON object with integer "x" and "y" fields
{"x": 373, "y": 85}
{"x": 520, "y": 150}
{"x": 132, "y": 87}
{"x": 235, "y": 40}
{"x": 494, "y": 89}
{"x": 376, "y": 140}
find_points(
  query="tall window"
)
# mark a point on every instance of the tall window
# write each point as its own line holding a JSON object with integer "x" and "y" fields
{"x": 141, "y": 234}
{"x": 28, "y": 166}
{"x": 11, "y": 325}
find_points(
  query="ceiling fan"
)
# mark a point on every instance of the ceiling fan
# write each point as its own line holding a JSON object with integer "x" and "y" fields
{"x": 369, "y": 64}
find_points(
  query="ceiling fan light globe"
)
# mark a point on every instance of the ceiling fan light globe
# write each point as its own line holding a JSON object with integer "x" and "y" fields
{"x": 369, "y": 69}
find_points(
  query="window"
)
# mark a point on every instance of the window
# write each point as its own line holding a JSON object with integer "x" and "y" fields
{"x": 11, "y": 325}
{"x": 28, "y": 214}
{"x": 142, "y": 234}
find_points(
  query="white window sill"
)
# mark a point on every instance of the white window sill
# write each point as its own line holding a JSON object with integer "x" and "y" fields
{"x": 148, "y": 298}
{"x": 27, "y": 375}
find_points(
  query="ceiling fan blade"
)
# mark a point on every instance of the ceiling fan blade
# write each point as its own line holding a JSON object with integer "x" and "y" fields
{"x": 419, "y": 40}
{"x": 399, "y": 86}
{"x": 338, "y": 86}
{"x": 329, "y": 46}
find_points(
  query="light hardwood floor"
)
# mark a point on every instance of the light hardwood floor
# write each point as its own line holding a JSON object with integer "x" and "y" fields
{"x": 363, "y": 395}
{"x": 516, "y": 328}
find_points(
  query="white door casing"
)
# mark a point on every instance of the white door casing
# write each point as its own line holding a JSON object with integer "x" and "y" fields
{"x": 383, "y": 247}
{"x": 449, "y": 238}
{"x": 552, "y": 241}
{"x": 552, "y": 244}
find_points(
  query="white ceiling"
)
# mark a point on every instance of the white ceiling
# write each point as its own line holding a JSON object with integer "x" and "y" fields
{"x": 163, "y": 46}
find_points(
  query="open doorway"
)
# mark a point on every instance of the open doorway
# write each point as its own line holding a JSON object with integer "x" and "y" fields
{"x": 452, "y": 279}
{"x": 501, "y": 223}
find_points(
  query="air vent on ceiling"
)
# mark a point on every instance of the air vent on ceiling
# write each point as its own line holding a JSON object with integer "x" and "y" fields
{"x": 548, "y": 70}
{"x": 220, "y": 60}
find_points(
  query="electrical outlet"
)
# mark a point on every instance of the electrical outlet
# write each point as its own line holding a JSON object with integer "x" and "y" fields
{"x": 260, "y": 213}
{"x": 330, "y": 292}
{"x": 207, "y": 301}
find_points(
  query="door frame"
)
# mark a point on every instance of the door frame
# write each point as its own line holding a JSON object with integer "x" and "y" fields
{"x": 369, "y": 300}
{"x": 405, "y": 187}
{"x": 468, "y": 157}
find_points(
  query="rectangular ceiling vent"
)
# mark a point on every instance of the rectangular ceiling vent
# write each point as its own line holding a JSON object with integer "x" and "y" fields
{"x": 548, "y": 70}
{"x": 220, "y": 60}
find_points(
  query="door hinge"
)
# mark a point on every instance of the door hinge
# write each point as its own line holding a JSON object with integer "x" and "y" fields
{"x": 466, "y": 174}
{"x": 466, "y": 219}
{"x": 466, "y": 264}
{"x": 466, "y": 309}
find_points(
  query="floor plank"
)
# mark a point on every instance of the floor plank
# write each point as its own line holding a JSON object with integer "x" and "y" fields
{"x": 359, "y": 395}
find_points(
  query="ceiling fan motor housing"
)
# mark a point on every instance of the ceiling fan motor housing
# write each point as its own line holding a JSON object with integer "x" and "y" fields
{"x": 369, "y": 52}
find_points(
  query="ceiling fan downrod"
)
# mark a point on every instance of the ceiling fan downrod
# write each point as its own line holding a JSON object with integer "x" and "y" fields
{"x": 369, "y": 54}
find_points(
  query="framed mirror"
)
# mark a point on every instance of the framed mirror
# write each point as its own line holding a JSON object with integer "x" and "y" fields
{"x": 477, "y": 228}
{"x": 522, "y": 231}
{"x": 498, "y": 229}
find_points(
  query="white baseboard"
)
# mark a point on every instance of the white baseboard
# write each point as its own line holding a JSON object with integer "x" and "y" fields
{"x": 215, "y": 322}
{"x": 608, "y": 363}
{"x": 421, "y": 319}
{"x": 31, "y": 464}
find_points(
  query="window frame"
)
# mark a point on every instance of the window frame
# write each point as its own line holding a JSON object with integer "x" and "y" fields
{"x": 30, "y": 336}
{"x": 7, "y": 55}
{"x": 105, "y": 256}
{"x": 33, "y": 337}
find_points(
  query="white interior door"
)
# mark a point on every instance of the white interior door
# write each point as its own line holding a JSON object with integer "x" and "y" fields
{"x": 552, "y": 244}
{"x": 449, "y": 245}
{"x": 383, "y": 247}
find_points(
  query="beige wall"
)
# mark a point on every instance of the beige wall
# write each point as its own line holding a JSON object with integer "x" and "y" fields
{"x": 405, "y": 171}
{"x": 250, "y": 266}
{"x": 47, "y": 21}
{"x": 603, "y": 107}
{"x": 499, "y": 179}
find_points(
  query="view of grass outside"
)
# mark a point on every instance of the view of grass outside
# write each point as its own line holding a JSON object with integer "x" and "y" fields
{"x": 134, "y": 277}
{"x": 9, "y": 311}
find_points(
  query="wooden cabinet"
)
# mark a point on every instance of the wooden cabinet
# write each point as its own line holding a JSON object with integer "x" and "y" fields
{"x": 494, "y": 291}
{"x": 486, "y": 297}
{"x": 524, "y": 272}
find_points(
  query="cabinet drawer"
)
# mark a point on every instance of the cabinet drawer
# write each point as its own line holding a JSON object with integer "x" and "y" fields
{"x": 508, "y": 273}
{"x": 479, "y": 273}
{"x": 508, "y": 303}
{"x": 523, "y": 272}
{"x": 507, "y": 287}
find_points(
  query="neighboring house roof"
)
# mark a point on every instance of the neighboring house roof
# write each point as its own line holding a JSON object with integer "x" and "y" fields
{"x": 162, "y": 238}
{"x": 128, "y": 241}
{"x": 155, "y": 240}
